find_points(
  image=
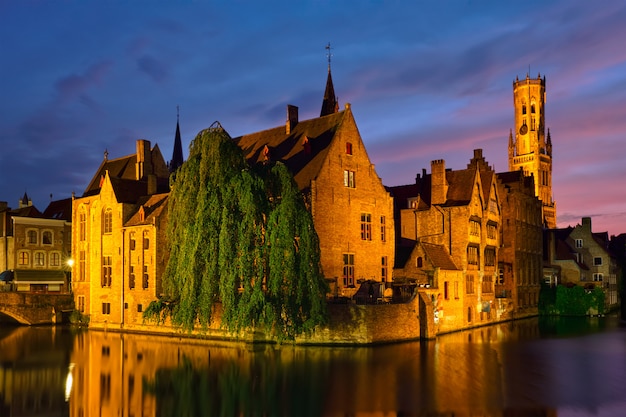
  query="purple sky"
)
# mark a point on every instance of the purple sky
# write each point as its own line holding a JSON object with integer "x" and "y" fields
{"x": 426, "y": 80}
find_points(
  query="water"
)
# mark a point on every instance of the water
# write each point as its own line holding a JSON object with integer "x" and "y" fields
{"x": 566, "y": 367}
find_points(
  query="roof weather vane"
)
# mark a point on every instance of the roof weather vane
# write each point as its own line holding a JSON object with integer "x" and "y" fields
{"x": 328, "y": 54}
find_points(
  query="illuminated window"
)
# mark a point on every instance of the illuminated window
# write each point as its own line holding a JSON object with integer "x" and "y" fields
{"x": 348, "y": 179}
{"x": 366, "y": 226}
{"x": 24, "y": 258}
{"x": 474, "y": 228}
{"x": 348, "y": 269}
{"x": 472, "y": 255}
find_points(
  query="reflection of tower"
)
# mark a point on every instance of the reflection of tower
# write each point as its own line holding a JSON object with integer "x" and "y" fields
{"x": 529, "y": 148}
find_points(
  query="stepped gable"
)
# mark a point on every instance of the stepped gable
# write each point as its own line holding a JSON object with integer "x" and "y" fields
{"x": 150, "y": 208}
{"x": 439, "y": 256}
{"x": 303, "y": 148}
{"x": 59, "y": 209}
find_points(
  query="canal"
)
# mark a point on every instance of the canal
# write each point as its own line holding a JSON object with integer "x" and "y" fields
{"x": 557, "y": 367}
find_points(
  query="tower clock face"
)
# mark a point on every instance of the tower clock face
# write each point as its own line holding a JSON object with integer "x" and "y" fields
{"x": 523, "y": 130}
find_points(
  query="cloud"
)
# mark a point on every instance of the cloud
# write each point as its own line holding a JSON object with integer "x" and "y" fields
{"x": 152, "y": 67}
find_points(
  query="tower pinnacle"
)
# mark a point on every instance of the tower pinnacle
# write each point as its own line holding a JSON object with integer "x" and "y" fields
{"x": 329, "y": 104}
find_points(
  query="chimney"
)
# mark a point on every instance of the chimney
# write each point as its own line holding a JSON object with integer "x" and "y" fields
{"x": 144, "y": 159}
{"x": 587, "y": 224}
{"x": 152, "y": 184}
{"x": 439, "y": 184}
{"x": 292, "y": 118}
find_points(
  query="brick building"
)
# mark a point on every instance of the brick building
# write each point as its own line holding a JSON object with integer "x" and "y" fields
{"x": 35, "y": 246}
{"x": 460, "y": 212}
{"x": 118, "y": 238}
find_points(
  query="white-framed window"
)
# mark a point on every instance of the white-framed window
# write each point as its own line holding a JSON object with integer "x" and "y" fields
{"x": 55, "y": 259}
{"x": 107, "y": 270}
{"x": 23, "y": 258}
{"x": 40, "y": 259}
{"x": 579, "y": 243}
{"x": 348, "y": 179}
{"x": 46, "y": 237}
{"x": 598, "y": 277}
{"x": 32, "y": 237}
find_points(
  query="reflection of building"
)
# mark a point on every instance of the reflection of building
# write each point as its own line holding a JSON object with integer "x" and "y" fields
{"x": 35, "y": 246}
{"x": 118, "y": 237}
{"x": 460, "y": 212}
{"x": 582, "y": 257}
{"x": 530, "y": 150}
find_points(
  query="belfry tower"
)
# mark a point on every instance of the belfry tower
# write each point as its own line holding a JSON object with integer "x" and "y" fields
{"x": 529, "y": 148}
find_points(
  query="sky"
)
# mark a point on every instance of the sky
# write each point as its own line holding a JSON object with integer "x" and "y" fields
{"x": 425, "y": 79}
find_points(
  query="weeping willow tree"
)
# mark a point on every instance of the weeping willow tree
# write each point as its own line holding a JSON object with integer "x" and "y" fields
{"x": 242, "y": 237}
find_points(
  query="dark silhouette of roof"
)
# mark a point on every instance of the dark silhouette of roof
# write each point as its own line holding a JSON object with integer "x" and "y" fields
{"x": 177, "y": 153}
{"x": 59, "y": 209}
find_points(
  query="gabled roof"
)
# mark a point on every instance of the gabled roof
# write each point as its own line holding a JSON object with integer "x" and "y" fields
{"x": 150, "y": 207}
{"x": 303, "y": 150}
{"x": 59, "y": 209}
{"x": 124, "y": 167}
{"x": 460, "y": 187}
{"x": 439, "y": 256}
{"x": 29, "y": 211}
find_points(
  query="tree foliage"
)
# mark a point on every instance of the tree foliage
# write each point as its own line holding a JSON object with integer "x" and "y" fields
{"x": 243, "y": 237}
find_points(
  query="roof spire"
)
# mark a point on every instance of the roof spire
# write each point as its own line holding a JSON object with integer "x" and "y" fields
{"x": 329, "y": 104}
{"x": 177, "y": 153}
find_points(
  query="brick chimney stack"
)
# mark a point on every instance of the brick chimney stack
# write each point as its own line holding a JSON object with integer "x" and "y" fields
{"x": 144, "y": 159}
{"x": 292, "y": 118}
{"x": 439, "y": 184}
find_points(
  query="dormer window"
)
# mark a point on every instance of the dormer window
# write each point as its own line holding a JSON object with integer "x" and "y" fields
{"x": 348, "y": 148}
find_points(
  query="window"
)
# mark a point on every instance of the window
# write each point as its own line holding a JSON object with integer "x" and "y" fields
{"x": 419, "y": 262}
{"x": 107, "y": 221}
{"x": 523, "y": 108}
{"x": 474, "y": 228}
{"x": 597, "y": 277}
{"x": 106, "y": 271}
{"x": 456, "y": 290}
{"x": 383, "y": 272}
{"x": 106, "y": 308}
{"x": 40, "y": 259}
{"x": 487, "y": 286}
{"x": 81, "y": 265}
{"x": 491, "y": 231}
{"x": 131, "y": 242}
{"x": 597, "y": 261}
{"x": 501, "y": 276}
{"x": 469, "y": 284}
{"x": 131, "y": 278}
{"x": 144, "y": 283}
{"x": 472, "y": 255}
{"x": 46, "y": 237}
{"x": 81, "y": 303}
{"x": 579, "y": 243}
{"x": 82, "y": 222}
{"x": 55, "y": 259}
{"x": 469, "y": 314}
{"x": 532, "y": 108}
{"x": 348, "y": 269}
{"x": 366, "y": 226}
{"x": 139, "y": 308}
{"x": 348, "y": 179}
{"x": 31, "y": 237}
{"x": 146, "y": 241}
{"x": 348, "y": 148}
{"x": 445, "y": 291}
{"x": 490, "y": 256}
{"x": 24, "y": 258}
{"x": 383, "y": 229}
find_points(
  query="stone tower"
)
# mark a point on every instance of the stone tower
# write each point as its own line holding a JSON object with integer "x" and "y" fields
{"x": 530, "y": 149}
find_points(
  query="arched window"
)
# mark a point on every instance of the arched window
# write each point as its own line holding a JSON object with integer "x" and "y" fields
{"x": 107, "y": 221}
{"x": 24, "y": 258}
{"x": 46, "y": 237}
{"x": 32, "y": 236}
{"x": 40, "y": 259}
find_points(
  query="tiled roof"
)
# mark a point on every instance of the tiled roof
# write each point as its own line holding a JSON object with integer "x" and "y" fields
{"x": 460, "y": 187}
{"x": 303, "y": 151}
{"x": 29, "y": 211}
{"x": 438, "y": 256}
{"x": 59, "y": 209}
{"x": 124, "y": 167}
{"x": 151, "y": 206}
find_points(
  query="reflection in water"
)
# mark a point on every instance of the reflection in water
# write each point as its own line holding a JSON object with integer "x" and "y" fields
{"x": 514, "y": 369}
